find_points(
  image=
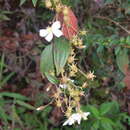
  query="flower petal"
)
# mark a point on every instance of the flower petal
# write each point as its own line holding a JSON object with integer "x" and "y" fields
{"x": 79, "y": 120}
{"x": 56, "y": 25}
{"x": 64, "y": 86}
{"x": 66, "y": 122}
{"x": 71, "y": 122}
{"x": 49, "y": 37}
{"x": 43, "y": 32}
{"x": 86, "y": 113}
{"x": 57, "y": 33}
{"x": 77, "y": 117}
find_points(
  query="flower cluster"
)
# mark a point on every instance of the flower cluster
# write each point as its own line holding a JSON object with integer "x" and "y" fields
{"x": 68, "y": 92}
{"x": 76, "y": 117}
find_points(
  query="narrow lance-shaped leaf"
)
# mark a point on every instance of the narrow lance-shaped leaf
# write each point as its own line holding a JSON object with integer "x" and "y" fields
{"x": 34, "y": 2}
{"x": 13, "y": 95}
{"x": 26, "y": 105}
{"x": 22, "y": 2}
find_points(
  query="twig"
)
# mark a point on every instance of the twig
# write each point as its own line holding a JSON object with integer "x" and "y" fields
{"x": 112, "y": 21}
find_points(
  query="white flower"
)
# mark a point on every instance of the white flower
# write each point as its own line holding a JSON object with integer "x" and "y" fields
{"x": 64, "y": 86}
{"x": 76, "y": 117}
{"x": 71, "y": 80}
{"x": 50, "y": 31}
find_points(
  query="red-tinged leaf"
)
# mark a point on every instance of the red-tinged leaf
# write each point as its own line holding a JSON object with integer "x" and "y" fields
{"x": 69, "y": 28}
{"x": 127, "y": 79}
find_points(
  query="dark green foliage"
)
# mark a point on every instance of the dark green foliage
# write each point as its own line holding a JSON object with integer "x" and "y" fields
{"x": 107, "y": 116}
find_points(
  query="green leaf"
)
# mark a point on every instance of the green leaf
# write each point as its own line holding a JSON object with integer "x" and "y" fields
{"x": 106, "y": 108}
{"x": 13, "y": 95}
{"x": 4, "y": 17}
{"x": 15, "y": 117}
{"x": 34, "y": 2}
{"x": 22, "y": 2}
{"x": 52, "y": 79}
{"x": 107, "y": 124}
{"x": 108, "y": 1}
{"x": 93, "y": 110}
{"x": 117, "y": 49}
{"x": 125, "y": 118}
{"x": 109, "y": 108}
{"x": 46, "y": 111}
{"x": 122, "y": 60}
{"x": 26, "y": 105}
{"x": 61, "y": 53}
{"x": 46, "y": 62}
{"x": 3, "y": 115}
{"x": 5, "y": 79}
{"x": 95, "y": 125}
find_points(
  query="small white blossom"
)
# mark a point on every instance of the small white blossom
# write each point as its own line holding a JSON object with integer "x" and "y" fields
{"x": 64, "y": 86}
{"x": 76, "y": 117}
{"x": 50, "y": 31}
{"x": 71, "y": 80}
